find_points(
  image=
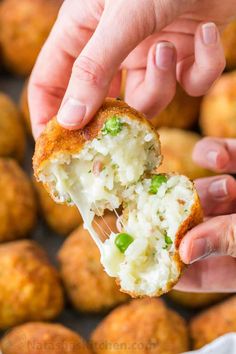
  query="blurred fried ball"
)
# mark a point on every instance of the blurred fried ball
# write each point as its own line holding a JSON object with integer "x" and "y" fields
{"x": 195, "y": 300}
{"x": 43, "y": 338}
{"x": 182, "y": 112}
{"x": 24, "y": 27}
{"x": 176, "y": 147}
{"x": 17, "y": 202}
{"x": 61, "y": 218}
{"x": 30, "y": 288}
{"x": 229, "y": 40}
{"x": 140, "y": 327}
{"x": 12, "y": 137}
{"x": 24, "y": 108}
{"x": 213, "y": 323}
{"x": 218, "y": 110}
{"x": 88, "y": 287}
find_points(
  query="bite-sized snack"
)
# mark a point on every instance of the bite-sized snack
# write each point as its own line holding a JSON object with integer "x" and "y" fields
{"x": 195, "y": 300}
{"x": 30, "y": 288}
{"x": 24, "y": 108}
{"x": 12, "y": 137}
{"x": 61, "y": 218}
{"x": 218, "y": 110}
{"x": 43, "y": 338}
{"x": 17, "y": 202}
{"x": 177, "y": 147}
{"x": 88, "y": 287}
{"x": 24, "y": 27}
{"x": 213, "y": 323}
{"x": 110, "y": 164}
{"x": 229, "y": 40}
{"x": 182, "y": 112}
{"x": 140, "y": 327}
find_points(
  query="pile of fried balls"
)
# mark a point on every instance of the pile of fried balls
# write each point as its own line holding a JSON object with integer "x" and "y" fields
{"x": 34, "y": 288}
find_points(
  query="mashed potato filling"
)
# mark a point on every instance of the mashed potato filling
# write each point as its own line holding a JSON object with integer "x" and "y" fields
{"x": 117, "y": 169}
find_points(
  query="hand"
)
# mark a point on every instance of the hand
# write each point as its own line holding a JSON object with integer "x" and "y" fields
{"x": 156, "y": 41}
{"x": 210, "y": 248}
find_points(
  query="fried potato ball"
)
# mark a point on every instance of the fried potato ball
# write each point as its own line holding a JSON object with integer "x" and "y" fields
{"x": 88, "y": 287}
{"x": 218, "y": 110}
{"x": 24, "y": 108}
{"x": 141, "y": 327}
{"x": 195, "y": 300}
{"x": 17, "y": 202}
{"x": 12, "y": 137}
{"x": 24, "y": 27}
{"x": 229, "y": 40}
{"x": 61, "y": 218}
{"x": 182, "y": 112}
{"x": 30, "y": 288}
{"x": 43, "y": 338}
{"x": 177, "y": 147}
{"x": 213, "y": 323}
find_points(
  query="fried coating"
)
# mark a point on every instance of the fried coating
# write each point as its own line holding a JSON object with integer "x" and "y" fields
{"x": 228, "y": 40}
{"x": 24, "y": 27}
{"x": 195, "y": 300}
{"x": 24, "y": 108}
{"x": 43, "y": 338}
{"x": 12, "y": 137}
{"x": 61, "y": 218}
{"x": 144, "y": 326}
{"x": 213, "y": 323}
{"x": 88, "y": 287}
{"x": 30, "y": 288}
{"x": 177, "y": 147}
{"x": 17, "y": 203}
{"x": 182, "y": 112}
{"x": 218, "y": 110}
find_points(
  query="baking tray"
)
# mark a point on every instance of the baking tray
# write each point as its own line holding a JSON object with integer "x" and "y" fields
{"x": 51, "y": 242}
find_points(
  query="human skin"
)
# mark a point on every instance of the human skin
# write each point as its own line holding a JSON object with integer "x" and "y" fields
{"x": 158, "y": 42}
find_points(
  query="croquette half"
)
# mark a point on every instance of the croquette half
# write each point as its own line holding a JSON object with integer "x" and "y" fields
{"x": 112, "y": 163}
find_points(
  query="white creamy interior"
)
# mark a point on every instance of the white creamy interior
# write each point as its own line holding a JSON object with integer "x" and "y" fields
{"x": 108, "y": 172}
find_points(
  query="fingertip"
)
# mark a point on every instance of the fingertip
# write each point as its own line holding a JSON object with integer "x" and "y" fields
{"x": 184, "y": 250}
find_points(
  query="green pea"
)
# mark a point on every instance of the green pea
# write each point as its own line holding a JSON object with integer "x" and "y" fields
{"x": 112, "y": 126}
{"x": 122, "y": 241}
{"x": 156, "y": 182}
{"x": 168, "y": 240}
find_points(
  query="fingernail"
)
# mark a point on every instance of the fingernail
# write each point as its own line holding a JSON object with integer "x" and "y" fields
{"x": 164, "y": 55}
{"x": 200, "y": 250}
{"x": 218, "y": 188}
{"x": 211, "y": 157}
{"x": 209, "y": 33}
{"x": 71, "y": 113}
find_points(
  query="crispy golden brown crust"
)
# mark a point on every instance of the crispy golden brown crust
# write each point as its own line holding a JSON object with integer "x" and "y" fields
{"x": 12, "y": 136}
{"x": 140, "y": 327}
{"x": 43, "y": 338}
{"x": 88, "y": 287}
{"x": 18, "y": 204}
{"x": 195, "y": 300}
{"x": 62, "y": 219}
{"x": 213, "y": 323}
{"x": 24, "y": 27}
{"x": 57, "y": 140}
{"x": 30, "y": 287}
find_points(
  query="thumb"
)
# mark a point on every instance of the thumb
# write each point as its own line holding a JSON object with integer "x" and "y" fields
{"x": 217, "y": 236}
{"x": 123, "y": 25}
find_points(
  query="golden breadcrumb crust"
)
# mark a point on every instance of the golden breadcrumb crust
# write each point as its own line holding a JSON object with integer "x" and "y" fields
{"x": 213, "y": 323}
{"x": 140, "y": 327}
{"x": 195, "y": 300}
{"x": 30, "y": 288}
{"x": 43, "y": 338}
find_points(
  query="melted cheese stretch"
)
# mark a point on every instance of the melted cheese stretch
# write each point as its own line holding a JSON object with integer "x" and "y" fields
{"x": 147, "y": 265}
